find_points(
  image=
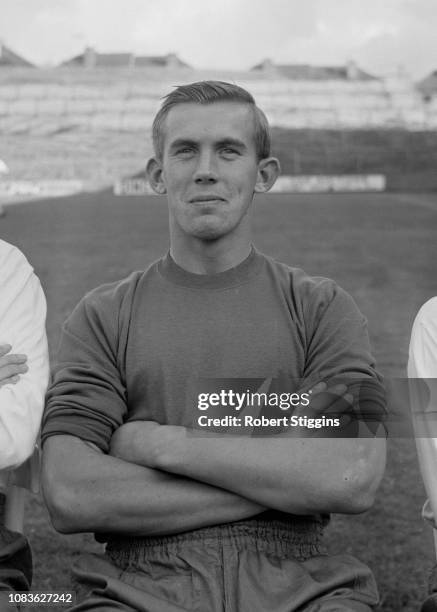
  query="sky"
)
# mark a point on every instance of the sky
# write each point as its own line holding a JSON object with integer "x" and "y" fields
{"x": 380, "y": 35}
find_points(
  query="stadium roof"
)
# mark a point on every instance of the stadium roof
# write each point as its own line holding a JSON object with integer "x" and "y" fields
{"x": 428, "y": 85}
{"x": 305, "y": 72}
{"x": 10, "y": 58}
{"x": 92, "y": 59}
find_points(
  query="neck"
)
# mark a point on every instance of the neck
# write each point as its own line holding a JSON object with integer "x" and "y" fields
{"x": 210, "y": 256}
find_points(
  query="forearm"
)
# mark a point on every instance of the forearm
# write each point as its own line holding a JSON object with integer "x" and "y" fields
{"x": 294, "y": 475}
{"x": 86, "y": 490}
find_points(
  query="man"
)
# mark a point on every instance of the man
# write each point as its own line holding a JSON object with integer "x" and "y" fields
{"x": 24, "y": 372}
{"x": 422, "y": 364}
{"x": 207, "y": 522}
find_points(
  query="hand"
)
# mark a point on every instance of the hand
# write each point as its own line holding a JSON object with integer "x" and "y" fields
{"x": 11, "y": 366}
{"x": 332, "y": 402}
{"x": 428, "y": 514}
{"x": 329, "y": 399}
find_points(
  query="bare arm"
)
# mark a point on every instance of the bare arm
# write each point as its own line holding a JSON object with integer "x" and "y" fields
{"x": 296, "y": 475}
{"x": 301, "y": 476}
{"x": 86, "y": 490}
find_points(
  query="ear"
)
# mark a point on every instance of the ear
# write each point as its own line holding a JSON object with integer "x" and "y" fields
{"x": 155, "y": 177}
{"x": 268, "y": 171}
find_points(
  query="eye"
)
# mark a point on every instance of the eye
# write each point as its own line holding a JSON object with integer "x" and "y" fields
{"x": 184, "y": 151}
{"x": 229, "y": 152}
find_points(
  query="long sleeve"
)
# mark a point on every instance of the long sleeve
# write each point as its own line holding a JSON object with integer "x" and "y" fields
{"x": 422, "y": 362}
{"x": 338, "y": 350}
{"x": 22, "y": 325}
{"x": 87, "y": 397}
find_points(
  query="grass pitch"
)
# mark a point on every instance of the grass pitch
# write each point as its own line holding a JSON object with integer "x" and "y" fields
{"x": 380, "y": 248}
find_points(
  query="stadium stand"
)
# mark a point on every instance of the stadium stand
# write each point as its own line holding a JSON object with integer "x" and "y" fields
{"x": 293, "y": 96}
{"x": 113, "y": 95}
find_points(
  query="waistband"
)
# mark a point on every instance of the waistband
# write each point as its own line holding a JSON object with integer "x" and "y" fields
{"x": 297, "y": 537}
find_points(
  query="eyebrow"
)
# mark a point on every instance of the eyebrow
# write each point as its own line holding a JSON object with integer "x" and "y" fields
{"x": 233, "y": 142}
{"x": 224, "y": 142}
{"x": 182, "y": 142}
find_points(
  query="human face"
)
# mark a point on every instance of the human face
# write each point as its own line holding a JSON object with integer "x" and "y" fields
{"x": 209, "y": 168}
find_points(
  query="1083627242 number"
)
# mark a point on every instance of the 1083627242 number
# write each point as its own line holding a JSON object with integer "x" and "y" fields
{"x": 33, "y": 598}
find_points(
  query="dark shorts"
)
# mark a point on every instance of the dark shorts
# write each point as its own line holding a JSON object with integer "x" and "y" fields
{"x": 15, "y": 565}
{"x": 250, "y": 566}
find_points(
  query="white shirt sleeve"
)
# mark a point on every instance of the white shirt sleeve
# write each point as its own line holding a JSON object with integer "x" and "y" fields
{"x": 22, "y": 325}
{"x": 422, "y": 363}
{"x": 422, "y": 359}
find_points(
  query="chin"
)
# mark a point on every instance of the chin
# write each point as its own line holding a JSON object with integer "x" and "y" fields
{"x": 208, "y": 231}
{"x": 207, "y": 234}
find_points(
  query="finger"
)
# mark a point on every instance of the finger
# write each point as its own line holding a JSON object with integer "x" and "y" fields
{"x": 320, "y": 401}
{"x": 12, "y": 369}
{"x": 339, "y": 389}
{"x": 12, "y": 380}
{"x": 318, "y": 388}
{"x": 4, "y": 349}
{"x": 13, "y": 358}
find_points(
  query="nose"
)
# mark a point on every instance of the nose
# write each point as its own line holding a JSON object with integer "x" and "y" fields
{"x": 205, "y": 172}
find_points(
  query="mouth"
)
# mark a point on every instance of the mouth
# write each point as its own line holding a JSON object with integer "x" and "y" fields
{"x": 206, "y": 199}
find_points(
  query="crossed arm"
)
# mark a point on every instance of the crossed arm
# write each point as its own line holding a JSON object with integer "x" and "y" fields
{"x": 292, "y": 474}
{"x": 161, "y": 480}
{"x": 87, "y": 490}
